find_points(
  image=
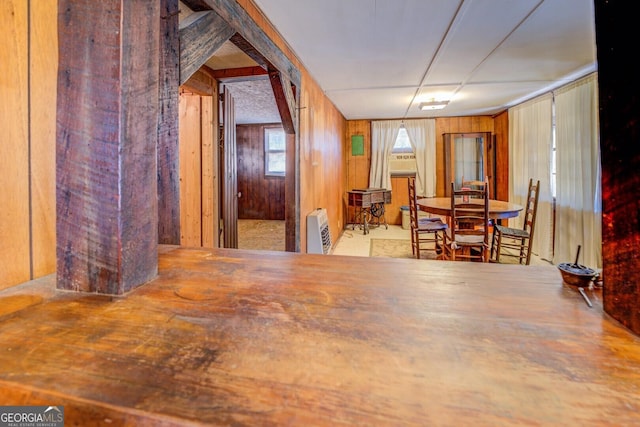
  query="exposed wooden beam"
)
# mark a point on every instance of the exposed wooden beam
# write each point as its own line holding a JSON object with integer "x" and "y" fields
{"x": 242, "y": 73}
{"x": 252, "y": 52}
{"x": 201, "y": 34}
{"x": 241, "y": 22}
{"x": 196, "y": 5}
{"x": 285, "y": 100}
{"x": 168, "y": 157}
{"x": 107, "y": 127}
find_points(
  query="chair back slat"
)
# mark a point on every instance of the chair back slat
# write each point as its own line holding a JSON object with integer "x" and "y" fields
{"x": 426, "y": 233}
{"x": 468, "y": 237}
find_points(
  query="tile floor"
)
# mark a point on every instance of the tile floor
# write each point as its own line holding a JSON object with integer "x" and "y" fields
{"x": 355, "y": 242}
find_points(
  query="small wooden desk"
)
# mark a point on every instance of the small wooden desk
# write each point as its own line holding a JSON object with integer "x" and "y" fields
{"x": 369, "y": 207}
{"x": 498, "y": 209}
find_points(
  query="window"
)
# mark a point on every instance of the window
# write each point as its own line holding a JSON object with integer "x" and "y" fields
{"x": 402, "y": 144}
{"x": 274, "y": 152}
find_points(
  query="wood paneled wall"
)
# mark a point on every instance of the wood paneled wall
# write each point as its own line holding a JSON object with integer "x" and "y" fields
{"x": 501, "y": 132}
{"x": 199, "y": 208}
{"x": 321, "y": 159}
{"x": 262, "y": 196}
{"x": 28, "y": 80}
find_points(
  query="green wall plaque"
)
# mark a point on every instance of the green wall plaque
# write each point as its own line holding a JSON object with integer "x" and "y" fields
{"x": 357, "y": 145}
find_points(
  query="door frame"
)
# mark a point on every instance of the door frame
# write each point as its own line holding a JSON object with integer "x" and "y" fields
{"x": 226, "y": 20}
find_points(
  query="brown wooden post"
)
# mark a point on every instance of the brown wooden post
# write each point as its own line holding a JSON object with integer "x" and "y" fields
{"x": 620, "y": 150}
{"x": 107, "y": 131}
{"x": 168, "y": 158}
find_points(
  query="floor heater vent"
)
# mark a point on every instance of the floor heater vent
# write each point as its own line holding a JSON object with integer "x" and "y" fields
{"x": 318, "y": 236}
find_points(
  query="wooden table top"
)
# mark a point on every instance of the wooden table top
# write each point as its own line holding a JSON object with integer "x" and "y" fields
{"x": 498, "y": 209}
{"x": 256, "y": 338}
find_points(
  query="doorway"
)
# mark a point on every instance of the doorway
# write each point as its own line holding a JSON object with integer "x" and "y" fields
{"x": 234, "y": 61}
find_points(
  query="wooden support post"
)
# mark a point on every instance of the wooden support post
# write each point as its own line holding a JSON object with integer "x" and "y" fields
{"x": 620, "y": 152}
{"x": 107, "y": 131}
{"x": 168, "y": 135}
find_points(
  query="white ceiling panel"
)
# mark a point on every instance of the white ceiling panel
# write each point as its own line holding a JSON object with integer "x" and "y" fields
{"x": 478, "y": 29}
{"x": 557, "y": 40}
{"x": 369, "y": 55}
{"x": 387, "y": 103}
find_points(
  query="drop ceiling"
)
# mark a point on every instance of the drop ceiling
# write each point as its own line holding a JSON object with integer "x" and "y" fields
{"x": 379, "y": 59}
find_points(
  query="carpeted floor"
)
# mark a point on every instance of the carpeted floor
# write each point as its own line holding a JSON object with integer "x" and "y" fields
{"x": 396, "y": 248}
{"x": 265, "y": 235}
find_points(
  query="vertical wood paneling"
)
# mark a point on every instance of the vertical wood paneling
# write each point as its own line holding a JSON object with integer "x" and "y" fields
{"x": 43, "y": 81}
{"x": 357, "y": 174}
{"x": 209, "y": 166}
{"x": 399, "y": 197}
{"x": 190, "y": 170}
{"x": 322, "y": 166}
{"x": 501, "y": 128}
{"x": 14, "y": 148}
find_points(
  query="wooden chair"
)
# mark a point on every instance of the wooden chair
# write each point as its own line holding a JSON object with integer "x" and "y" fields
{"x": 426, "y": 233}
{"x": 467, "y": 238}
{"x": 476, "y": 184}
{"x": 516, "y": 242}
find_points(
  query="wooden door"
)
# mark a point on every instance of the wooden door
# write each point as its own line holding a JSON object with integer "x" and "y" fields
{"x": 229, "y": 171}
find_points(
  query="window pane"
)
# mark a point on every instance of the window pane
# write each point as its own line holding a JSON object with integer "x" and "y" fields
{"x": 276, "y": 163}
{"x": 274, "y": 151}
{"x": 402, "y": 144}
{"x": 275, "y": 139}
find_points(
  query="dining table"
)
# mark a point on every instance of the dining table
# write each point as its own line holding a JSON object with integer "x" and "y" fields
{"x": 498, "y": 209}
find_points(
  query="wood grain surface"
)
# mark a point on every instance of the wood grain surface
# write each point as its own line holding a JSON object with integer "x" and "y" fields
{"x": 237, "y": 337}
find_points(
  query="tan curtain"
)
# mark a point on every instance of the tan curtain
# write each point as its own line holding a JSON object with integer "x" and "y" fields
{"x": 422, "y": 135}
{"x": 578, "y": 191}
{"x": 530, "y": 145}
{"x": 383, "y": 136}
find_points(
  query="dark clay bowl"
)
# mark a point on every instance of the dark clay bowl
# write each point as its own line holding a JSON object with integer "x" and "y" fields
{"x": 576, "y": 274}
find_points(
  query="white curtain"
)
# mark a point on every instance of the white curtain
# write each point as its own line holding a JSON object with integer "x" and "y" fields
{"x": 578, "y": 191}
{"x": 383, "y": 137}
{"x": 530, "y": 146}
{"x": 422, "y": 135}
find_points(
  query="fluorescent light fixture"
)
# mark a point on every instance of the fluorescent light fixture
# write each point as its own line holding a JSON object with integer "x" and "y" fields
{"x": 433, "y": 105}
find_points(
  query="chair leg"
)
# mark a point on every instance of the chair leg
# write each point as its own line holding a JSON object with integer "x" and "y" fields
{"x": 528, "y": 251}
{"x": 524, "y": 253}
{"x": 493, "y": 244}
{"x": 413, "y": 244}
